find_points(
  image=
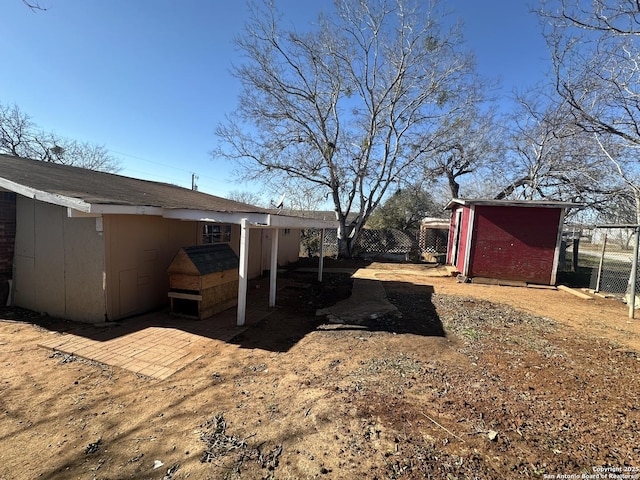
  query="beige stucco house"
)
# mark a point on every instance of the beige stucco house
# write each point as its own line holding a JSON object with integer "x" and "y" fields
{"x": 92, "y": 246}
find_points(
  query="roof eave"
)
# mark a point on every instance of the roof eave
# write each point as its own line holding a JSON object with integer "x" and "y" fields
{"x": 81, "y": 208}
{"x": 256, "y": 219}
{"x": 46, "y": 197}
{"x": 285, "y": 221}
{"x": 516, "y": 203}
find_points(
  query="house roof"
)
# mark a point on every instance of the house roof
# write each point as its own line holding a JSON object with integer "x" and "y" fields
{"x": 94, "y": 193}
{"x": 510, "y": 203}
{"x": 100, "y": 188}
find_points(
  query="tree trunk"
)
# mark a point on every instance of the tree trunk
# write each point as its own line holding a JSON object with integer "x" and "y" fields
{"x": 344, "y": 242}
{"x": 454, "y": 186}
{"x": 344, "y": 248}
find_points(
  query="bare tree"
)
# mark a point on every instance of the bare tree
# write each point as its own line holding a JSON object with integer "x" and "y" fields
{"x": 20, "y": 136}
{"x": 16, "y": 131}
{"x": 350, "y": 107}
{"x": 549, "y": 158}
{"x": 596, "y": 59}
{"x": 244, "y": 196}
{"x": 471, "y": 141}
{"x": 297, "y": 195}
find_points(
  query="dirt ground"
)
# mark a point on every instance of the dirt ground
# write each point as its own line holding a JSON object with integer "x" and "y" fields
{"x": 464, "y": 381}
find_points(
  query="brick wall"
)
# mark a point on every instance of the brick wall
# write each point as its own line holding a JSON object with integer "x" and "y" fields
{"x": 7, "y": 241}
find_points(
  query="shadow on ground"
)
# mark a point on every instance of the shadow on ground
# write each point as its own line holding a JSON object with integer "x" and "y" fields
{"x": 415, "y": 304}
{"x": 412, "y": 313}
{"x": 299, "y": 297}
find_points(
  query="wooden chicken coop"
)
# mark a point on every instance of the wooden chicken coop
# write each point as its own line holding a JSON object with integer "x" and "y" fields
{"x": 203, "y": 280}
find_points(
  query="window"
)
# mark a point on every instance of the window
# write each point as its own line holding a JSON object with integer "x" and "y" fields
{"x": 216, "y": 233}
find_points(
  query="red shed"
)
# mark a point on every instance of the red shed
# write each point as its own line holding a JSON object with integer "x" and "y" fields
{"x": 513, "y": 240}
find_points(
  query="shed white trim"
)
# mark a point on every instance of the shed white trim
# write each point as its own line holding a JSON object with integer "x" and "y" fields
{"x": 514, "y": 203}
{"x": 469, "y": 239}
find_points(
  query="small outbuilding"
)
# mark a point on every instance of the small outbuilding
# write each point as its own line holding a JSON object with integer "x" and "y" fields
{"x": 513, "y": 240}
{"x": 433, "y": 239}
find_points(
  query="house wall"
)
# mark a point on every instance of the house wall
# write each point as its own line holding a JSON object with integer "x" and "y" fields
{"x": 288, "y": 247}
{"x": 514, "y": 243}
{"x": 260, "y": 248}
{"x": 91, "y": 269}
{"x": 59, "y": 262}
{"x": 7, "y": 241}
{"x": 255, "y": 249}
{"x": 139, "y": 249}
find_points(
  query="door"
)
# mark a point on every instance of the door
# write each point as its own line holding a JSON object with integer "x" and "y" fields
{"x": 457, "y": 228}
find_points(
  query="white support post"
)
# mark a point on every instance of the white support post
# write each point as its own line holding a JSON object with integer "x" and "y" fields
{"x": 274, "y": 268}
{"x": 243, "y": 270}
{"x": 634, "y": 275}
{"x": 321, "y": 260}
{"x": 601, "y": 262}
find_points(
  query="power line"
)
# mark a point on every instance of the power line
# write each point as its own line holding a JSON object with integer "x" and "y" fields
{"x": 148, "y": 161}
{"x": 172, "y": 167}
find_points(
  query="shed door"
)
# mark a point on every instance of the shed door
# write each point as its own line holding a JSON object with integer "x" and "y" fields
{"x": 456, "y": 238}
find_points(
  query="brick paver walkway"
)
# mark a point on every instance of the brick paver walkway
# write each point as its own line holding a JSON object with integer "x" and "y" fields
{"x": 156, "y": 352}
{"x": 155, "y": 345}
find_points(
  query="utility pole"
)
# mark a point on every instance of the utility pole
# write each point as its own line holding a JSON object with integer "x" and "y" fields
{"x": 194, "y": 178}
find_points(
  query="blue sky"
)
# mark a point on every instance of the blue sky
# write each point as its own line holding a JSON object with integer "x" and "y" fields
{"x": 149, "y": 79}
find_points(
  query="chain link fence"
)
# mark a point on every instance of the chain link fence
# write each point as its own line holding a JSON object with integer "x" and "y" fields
{"x": 603, "y": 256}
{"x": 612, "y": 272}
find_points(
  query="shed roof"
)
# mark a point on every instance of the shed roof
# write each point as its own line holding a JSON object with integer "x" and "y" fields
{"x": 510, "y": 203}
{"x": 435, "y": 222}
{"x": 94, "y": 193}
